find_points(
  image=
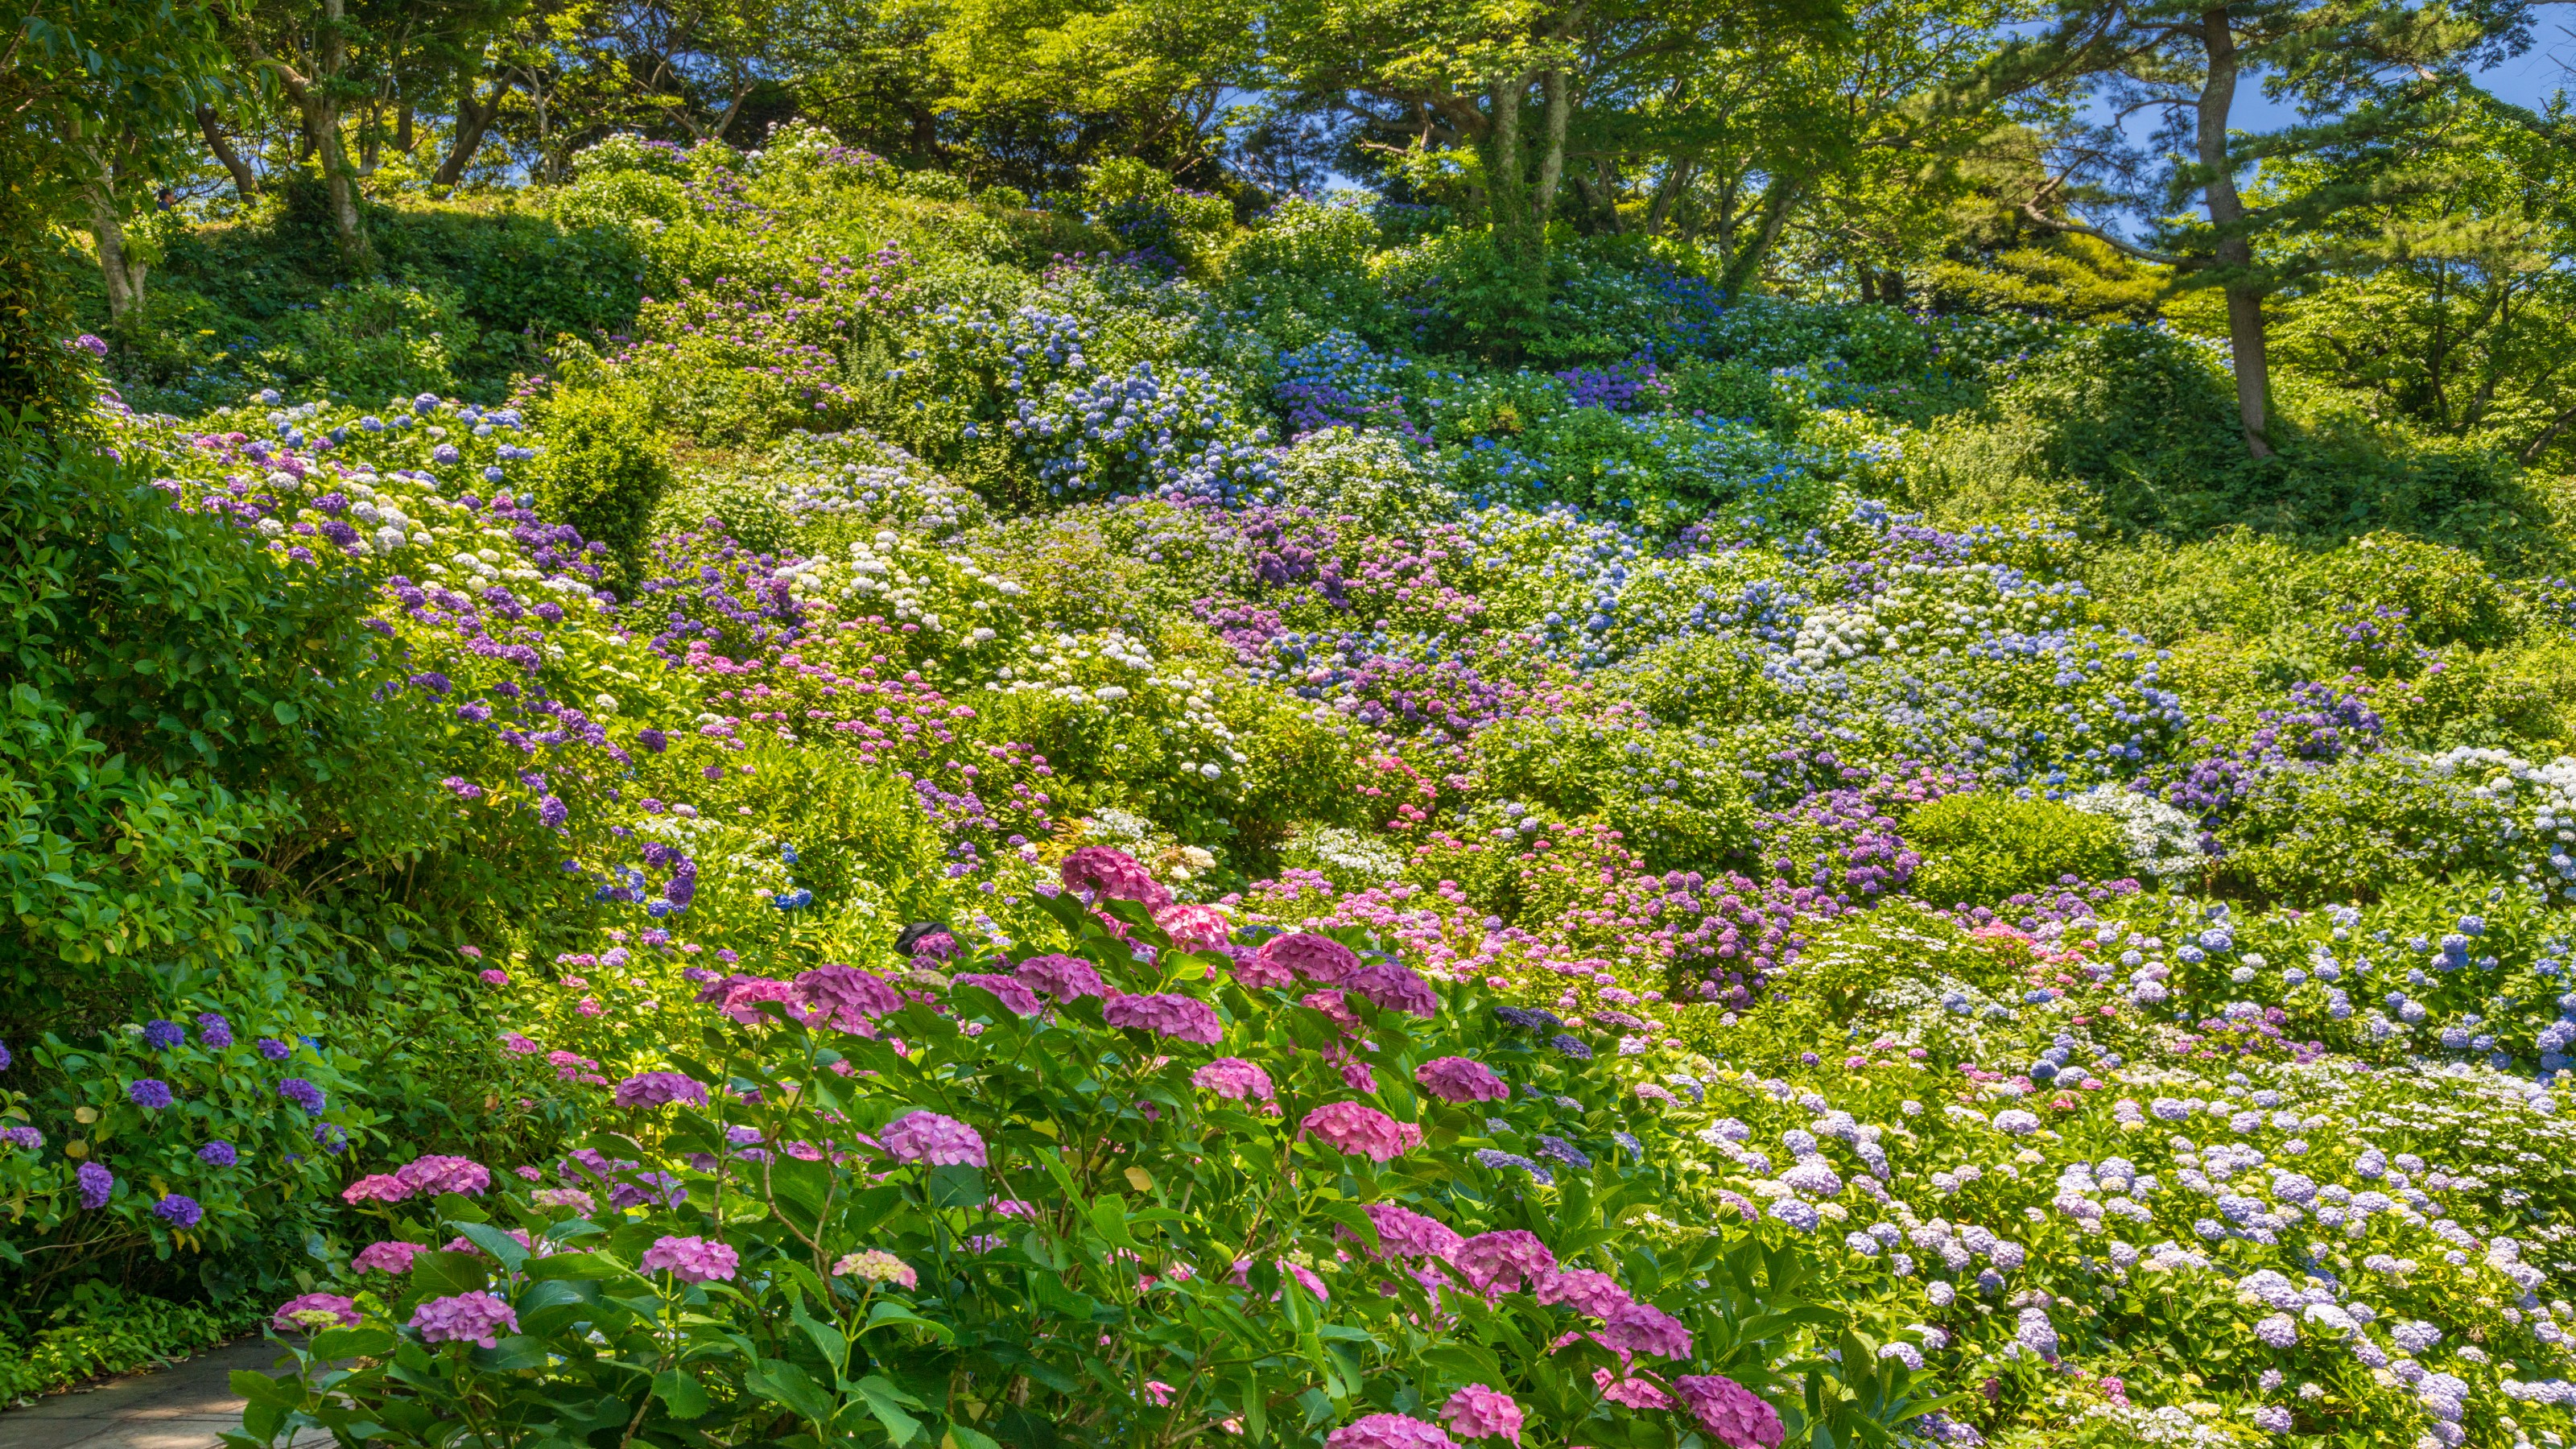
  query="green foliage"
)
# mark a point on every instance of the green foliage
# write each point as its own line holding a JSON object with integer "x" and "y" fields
{"x": 100, "y": 1329}
{"x": 2359, "y": 828}
{"x": 1981, "y": 849}
{"x": 603, "y": 471}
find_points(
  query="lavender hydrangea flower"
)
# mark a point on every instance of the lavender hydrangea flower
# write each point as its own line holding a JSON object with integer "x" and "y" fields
{"x": 178, "y": 1210}
{"x": 691, "y": 1260}
{"x": 476, "y": 1318}
{"x": 302, "y": 1093}
{"x": 148, "y": 1092}
{"x": 96, "y": 1185}
{"x": 274, "y": 1049}
{"x": 218, "y": 1153}
{"x": 933, "y": 1140}
{"x": 163, "y": 1035}
{"x": 213, "y": 1030}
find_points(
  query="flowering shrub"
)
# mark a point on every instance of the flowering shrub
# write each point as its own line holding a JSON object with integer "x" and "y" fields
{"x": 1175, "y": 1189}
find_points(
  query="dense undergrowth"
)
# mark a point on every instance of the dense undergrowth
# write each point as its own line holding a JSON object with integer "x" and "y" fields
{"x": 1693, "y": 870}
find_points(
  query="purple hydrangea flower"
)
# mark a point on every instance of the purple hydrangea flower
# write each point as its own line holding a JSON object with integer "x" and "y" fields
{"x": 96, "y": 1184}
{"x": 302, "y": 1093}
{"x": 691, "y": 1260}
{"x": 213, "y": 1030}
{"x": 178, "y": 1210}
{"x": 476, "y": 1318}
{"x": 659, "y": 1089}
{"x": 274, "y": 1049}
{"x": 19, "y": 1134}
{"x": 163, "y": 1035}
{"x": 149, "y": 1092}
{"x": 218, "y": 1153}
{"x": 928, "y": 1137}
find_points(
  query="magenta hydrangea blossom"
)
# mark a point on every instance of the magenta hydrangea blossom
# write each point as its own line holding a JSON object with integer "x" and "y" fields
{"x": 1394, "y": 988}
{"x": 1256, "y": 971}
{"x": 1461, "y": 1079}
{"x": 1502, "y": 1262}
{"x": 1194, "y": 928}
{"x": 1183, "y": 1018}
{"x": 1112, "y": 875}
{"x": 1584, "y": 1291}
{"x": 927, "y": 1137}
{"x": 1061, "y": 978}
{"x": 434, "y": 1174}
{"x": 659, "y": 1089}
{"x": 387, "y": 1257}
{"x": 1014, "y": 994}
{"x": 1478, "y": 1412}
{"x": 1362, "y": 1131}
{"x": 691, "y": 1260}
{"x": 376, "y": 1187}
{"x": 1733, "y": 1414}
{"x": 1234, "y": 1079}
{"x": 475, "y": 1318}
{"x": 1389, "y": 1431}
{"x": 1319, "y": 959}
{"x": 1645, "y": 1329}
{"x": 309, "y": 1312}
{"x": 846, "y": 996}
{"x": 1404, "y": 1233}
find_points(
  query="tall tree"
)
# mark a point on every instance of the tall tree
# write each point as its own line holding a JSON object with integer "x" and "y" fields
{"x": 98, "y": 93}
{"x": 2359, "y": 70}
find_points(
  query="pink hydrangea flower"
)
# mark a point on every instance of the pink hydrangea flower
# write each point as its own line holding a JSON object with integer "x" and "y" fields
{"x": 1394, "y": 988}
{"x": 387, "y": 1257}
{"x": 1064, "y": 978}
{"x": 475, "y": 1318}
{"x": 1479, "y": 1412}
{"x": 1584, "y": 1291}
{"x": 1404, "y": 1233}
{"x": 1502, "y": 1262}
{"x": 927, "y": 1137}
{"x": 691, "y": 1260}
{"x": 565, "y": 1197}
{"x": 1112, "y": 875}
{"x": 376, "y": 1187}
{"x": 1256, "y": 971}
{"x": 1234, "y": 1079}
{"x": 1362, "y": 1131}
{"x": 1461, "y": 1079}
{"x": 1636, "y": 1393}
{"x": 740, "y": 996}
{"x": 876, "y": 1265}
{"x": 1014, "y": 993}
{"x": 1644, "y": 1328}
{"x": 1306, "y": 1280}
{"x": 1734, "y": 1414}
{"x": 1389, "y": 1431}
{"x": 494, "y": 976}
{"x": 659, "y": 1089}
{"x": 519, "y": 1045}
{"x": 1183, "y": 1018}
{"x": 434, "y": 1174}
{"x": 312, "y": 1312}
{"x": 1319, "y": 959}
{"x": 845, "y": 996}
{"x": 1194, "y": 928}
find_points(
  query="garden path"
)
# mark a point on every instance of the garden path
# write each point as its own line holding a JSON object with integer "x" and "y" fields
{"x": 187, "y": 1405}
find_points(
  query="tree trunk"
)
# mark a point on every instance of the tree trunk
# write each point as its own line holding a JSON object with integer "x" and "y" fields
{"x": 1745, "y": 262}
{"x": 1677, "y": 174}
{"x": 402, "y": 129}
{"x": 2235, "y": 251}
{"x": 473, "y": 119}
{"x": 1551, "y": 156}
{"x": 244, "y": 183}
{"x": 123, "y": 270}
{"x": 1507, "y": 173}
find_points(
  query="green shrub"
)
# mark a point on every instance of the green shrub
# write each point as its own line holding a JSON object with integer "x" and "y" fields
{"x": 1982, "y": 849}
{"x": 377, "y": 339}
{"x": 603, "y": 471}
{"x": 2358, "y": 828}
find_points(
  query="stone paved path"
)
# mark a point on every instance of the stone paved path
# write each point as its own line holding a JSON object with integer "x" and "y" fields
{"x": 185, "y": 1406}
